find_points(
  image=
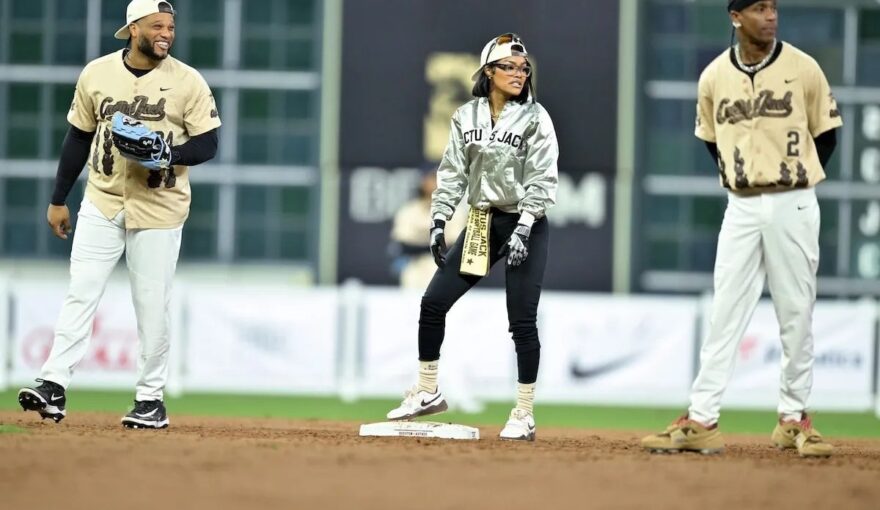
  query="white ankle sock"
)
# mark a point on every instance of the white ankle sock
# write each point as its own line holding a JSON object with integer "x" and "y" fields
{"x": 525, "y": 397}
{"x": 428, "y": 376}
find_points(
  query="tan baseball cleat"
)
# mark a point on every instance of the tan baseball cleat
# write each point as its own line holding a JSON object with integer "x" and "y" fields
{"x": 685, "y": 434}
{"x": 802, "y": 436}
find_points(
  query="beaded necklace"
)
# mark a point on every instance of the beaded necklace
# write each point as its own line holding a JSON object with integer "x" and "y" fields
{"x": 756, "y": 67}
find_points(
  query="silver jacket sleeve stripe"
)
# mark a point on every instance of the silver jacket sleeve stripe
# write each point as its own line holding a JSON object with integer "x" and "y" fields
{"x": 451, "y": 176}
{"x": 540, "y": 173}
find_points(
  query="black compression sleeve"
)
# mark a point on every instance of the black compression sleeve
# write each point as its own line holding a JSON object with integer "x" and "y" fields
{"x": 713, "y": 150}
{"x": 74, "y": 153}
{"x": 414, "y": 249}
{"x": 825, "y": 145}
{"x": 196, "y": 150}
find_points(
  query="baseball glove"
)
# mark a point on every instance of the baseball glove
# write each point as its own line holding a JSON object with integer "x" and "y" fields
{"x": 136, "y": 141}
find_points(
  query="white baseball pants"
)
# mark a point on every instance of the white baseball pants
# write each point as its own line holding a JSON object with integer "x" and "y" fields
{"x": 772, "y": 234}
{"x": 151, "y": 257}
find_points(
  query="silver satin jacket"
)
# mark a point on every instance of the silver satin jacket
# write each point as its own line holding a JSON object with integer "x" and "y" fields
{"x": 511, "y": 166}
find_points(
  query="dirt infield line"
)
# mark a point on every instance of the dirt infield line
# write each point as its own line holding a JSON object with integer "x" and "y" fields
{"x": 90, "y": 461}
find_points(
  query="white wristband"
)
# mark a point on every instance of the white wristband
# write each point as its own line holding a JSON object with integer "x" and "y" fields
{"x": 526, "y": 218}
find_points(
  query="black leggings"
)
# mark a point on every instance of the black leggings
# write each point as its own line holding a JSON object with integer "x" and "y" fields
{"x": 523, "y": 293}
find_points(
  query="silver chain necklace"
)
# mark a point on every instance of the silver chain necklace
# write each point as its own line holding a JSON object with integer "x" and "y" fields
{"x": 760, "y": 65}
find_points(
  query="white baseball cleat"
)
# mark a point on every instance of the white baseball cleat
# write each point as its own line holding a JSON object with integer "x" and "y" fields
{"x": 418, "y": 403}
{"x": 520, "y": 426}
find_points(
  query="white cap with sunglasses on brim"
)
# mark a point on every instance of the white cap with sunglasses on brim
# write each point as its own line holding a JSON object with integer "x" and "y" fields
{"x": 503, "y": 46}
{"x": 138, "y": 9}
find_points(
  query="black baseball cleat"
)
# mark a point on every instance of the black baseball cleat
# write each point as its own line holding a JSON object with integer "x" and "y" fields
{"x": 48, "y": 399}
{"x": 147, "y": 414}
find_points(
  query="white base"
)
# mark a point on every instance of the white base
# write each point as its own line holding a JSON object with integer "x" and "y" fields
{"x": 419, "y": 429}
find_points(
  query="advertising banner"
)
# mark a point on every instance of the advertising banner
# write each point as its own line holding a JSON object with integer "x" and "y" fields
{"x": 261, "y": 339}
{"x": 843, "y": 370}
{"x": 477, "y": 359}
{"x": 111, "y": 357}
{"x": 5, "y": 342}
{"x": 594, "y": 349}
{"x": 616, "y": 349}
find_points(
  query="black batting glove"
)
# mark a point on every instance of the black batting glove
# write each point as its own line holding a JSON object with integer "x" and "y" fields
{"x": 517, "y": 246}
{"x": 438, "y": 242}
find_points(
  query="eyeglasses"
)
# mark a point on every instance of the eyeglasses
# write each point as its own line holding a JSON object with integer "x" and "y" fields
{"x": 511, "y": 69}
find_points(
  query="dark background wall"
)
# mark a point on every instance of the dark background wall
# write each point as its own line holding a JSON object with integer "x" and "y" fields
{"x": 385, "y": 99}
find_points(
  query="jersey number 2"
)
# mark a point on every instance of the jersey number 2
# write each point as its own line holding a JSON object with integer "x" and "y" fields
{"x": 794, "y": 139}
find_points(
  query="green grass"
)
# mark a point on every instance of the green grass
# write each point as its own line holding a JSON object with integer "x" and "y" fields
{"x": 369, "y": 410}
{"x": 10, "y": 429}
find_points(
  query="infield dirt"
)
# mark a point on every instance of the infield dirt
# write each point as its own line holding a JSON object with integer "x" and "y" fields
{"x": 89, "y": 461}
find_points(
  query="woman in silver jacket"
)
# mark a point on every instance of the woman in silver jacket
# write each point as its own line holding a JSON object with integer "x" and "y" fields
{"x": 502, "y": 152}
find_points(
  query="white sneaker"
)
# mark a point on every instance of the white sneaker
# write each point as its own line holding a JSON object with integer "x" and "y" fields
{"x": 418, "y": 403}
{"x": 520, "y": 426}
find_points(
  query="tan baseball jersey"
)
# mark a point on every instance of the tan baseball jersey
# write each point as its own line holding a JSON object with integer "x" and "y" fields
{"x": 172, "y": 99}
{"x": 764, "y": 127}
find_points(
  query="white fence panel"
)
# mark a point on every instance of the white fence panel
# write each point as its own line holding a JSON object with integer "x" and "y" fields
{"x": 616, "y": 350}
{"x": 111, "y": 359}
{"x": 625, "y": 350}
{"x": 477, "y": 357}
{"x": 843, "y": 334}
{"x": 266, "y": 339}
{"x": 5, "y": 339}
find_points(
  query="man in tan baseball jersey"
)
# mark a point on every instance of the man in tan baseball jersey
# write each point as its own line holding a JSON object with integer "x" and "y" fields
{"x": 130, "y": 205}
{"x": 768, "y": 117}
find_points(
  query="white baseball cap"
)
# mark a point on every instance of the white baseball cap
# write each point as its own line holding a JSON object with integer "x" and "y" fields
{"x": 138, "y": 9}
{"x": 503, "y": 46}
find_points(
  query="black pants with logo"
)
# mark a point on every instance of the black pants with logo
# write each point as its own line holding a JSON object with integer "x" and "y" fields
{"x": 523, "y": 293}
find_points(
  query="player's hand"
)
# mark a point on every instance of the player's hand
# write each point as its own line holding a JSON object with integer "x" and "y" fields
{"x": 58, "y": 217}
{"x": 517, "y": 246}
{"x": 438, "y": 242}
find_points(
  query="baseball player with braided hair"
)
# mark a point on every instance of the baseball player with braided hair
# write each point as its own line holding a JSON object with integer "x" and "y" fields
{"x": 138, "y": 120}
{"x": 766, "y": 113}
{"x": 502, "y": 149}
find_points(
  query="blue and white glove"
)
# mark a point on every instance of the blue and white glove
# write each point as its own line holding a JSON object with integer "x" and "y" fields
{"x": 136, "y": 141}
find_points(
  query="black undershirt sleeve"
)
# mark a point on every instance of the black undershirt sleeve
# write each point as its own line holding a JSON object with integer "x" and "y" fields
{"x": 825, "y": 145}
{"x": 414, "y": 249}
{"x": 74, "y": 153}
{"x": 196, "y": 150}
{"x": 713, "y": 151}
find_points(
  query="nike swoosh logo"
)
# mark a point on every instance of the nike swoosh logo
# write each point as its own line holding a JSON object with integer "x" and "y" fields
{"x": 430, "y": 401}
{"x": 587, "y": 373}
{"x": 169, "y": 88}
{"x": 53, "y": 398}
{"x": 801, "y": 207}
{"x": 147, "y": 415}
{"x": 789, "y": 81}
